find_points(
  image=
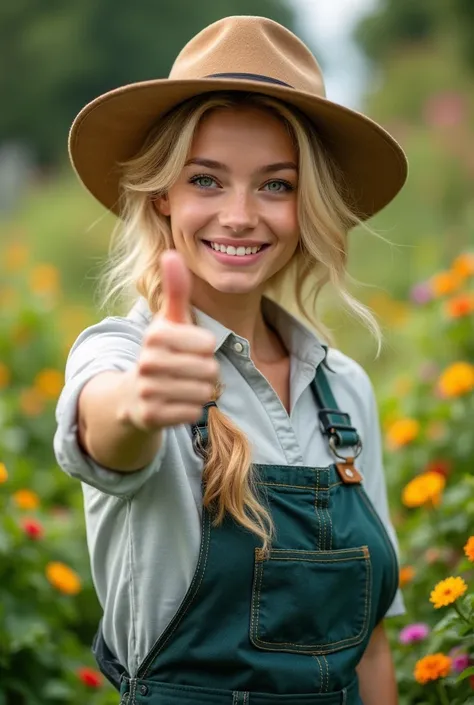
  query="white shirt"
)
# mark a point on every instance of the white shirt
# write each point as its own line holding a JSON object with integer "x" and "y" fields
{"x": 143, "y": 528}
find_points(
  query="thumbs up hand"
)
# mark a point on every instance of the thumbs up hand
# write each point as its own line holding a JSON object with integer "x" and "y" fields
{"x": 177, "y": 371}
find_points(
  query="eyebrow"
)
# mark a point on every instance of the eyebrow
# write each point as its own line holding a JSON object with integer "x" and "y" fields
{"x": 269, "y": 168}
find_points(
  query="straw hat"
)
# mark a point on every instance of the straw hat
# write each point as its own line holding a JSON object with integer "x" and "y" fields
{"x": 251, "y": 54}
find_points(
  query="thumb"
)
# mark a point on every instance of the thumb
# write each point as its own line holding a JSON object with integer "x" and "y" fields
{"x": 176, "y": 287}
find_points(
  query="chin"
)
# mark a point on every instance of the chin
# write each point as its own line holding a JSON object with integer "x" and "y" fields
{"x": 234, "y": 287}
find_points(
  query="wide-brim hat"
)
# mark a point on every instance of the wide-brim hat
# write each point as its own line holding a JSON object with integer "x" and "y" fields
{"x": 242, "y": 53}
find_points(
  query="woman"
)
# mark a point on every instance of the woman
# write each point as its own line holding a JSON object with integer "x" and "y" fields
{"x": 236, "y": 509}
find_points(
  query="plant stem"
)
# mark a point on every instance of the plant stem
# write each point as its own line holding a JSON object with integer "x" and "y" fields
{"x": 443, "y": 696}
{"x": 461, "y": 614}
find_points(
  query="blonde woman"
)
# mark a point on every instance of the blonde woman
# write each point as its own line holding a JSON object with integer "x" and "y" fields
{"x": 236, "y": 509}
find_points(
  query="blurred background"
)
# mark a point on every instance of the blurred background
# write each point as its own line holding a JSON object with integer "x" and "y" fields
{"x": 408, "y": 65}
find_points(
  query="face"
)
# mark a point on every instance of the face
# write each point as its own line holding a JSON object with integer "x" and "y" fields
{"x": 233, "y": 210}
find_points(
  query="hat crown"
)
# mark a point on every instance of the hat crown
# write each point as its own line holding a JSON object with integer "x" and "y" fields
{"x": 250, "y": 45}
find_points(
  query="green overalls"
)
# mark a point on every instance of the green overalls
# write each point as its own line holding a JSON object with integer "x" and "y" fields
{"x": 287, "y": 626}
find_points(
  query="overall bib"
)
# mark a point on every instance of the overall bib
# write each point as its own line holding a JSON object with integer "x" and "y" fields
{"x": 289, "y": 625}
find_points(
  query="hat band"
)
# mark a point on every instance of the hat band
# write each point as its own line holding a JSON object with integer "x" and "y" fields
{"x": 250, "y": 77}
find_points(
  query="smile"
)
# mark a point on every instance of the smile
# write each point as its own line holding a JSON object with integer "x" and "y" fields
{"x": 235, "y": 251}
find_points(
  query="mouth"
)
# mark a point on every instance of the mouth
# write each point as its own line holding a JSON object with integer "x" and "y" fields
{"x": 235, "y": 251}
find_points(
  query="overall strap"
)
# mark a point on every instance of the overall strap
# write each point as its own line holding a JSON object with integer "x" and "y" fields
{"x": 200, "y": 431}
{"x": 336, "y": 424}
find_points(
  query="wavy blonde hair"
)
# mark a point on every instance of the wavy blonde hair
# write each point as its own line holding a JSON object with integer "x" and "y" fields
{"x": 325, "y": 217}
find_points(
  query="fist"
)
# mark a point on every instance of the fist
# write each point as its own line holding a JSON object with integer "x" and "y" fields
{"x": 176, "y": 373}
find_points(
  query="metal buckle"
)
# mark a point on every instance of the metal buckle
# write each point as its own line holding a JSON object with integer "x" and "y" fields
{"x": 357, "y": 449}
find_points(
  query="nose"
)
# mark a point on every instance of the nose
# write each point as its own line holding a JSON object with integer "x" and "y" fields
{"x": 238, "y": 212}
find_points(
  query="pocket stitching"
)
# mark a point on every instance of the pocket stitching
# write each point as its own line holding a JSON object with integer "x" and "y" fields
{"x": 349, "y": 641}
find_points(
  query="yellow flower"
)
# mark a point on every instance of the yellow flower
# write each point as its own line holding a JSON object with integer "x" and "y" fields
{"x": 432, "y": 667}
{"x": 15, "y": 257}
{"x": 469, "y": 548}
{"x": 445, "y": 283}
{"x": 44, "y": 279}
{"x": 63, "y": 578}
{"x": 4, "y": 376}
{"x": 464, "y": 264}
{"x": 457, "y": 379}
{"x": 402, "y": 432}
{"x": 3, "y": 473}
{"x": 26, "y": 499}
{"x": 49, "y": 383}
{"x": 447, "y": 591}
{"x": 407, "y": 573}
{"x": 31, "y": 402}
{"x": 424, "y": 489}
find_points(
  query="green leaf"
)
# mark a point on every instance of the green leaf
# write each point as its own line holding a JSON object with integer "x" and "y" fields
{"x": 465, "y": 674}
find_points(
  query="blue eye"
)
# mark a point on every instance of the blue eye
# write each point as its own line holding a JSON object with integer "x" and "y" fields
{"x": 203, "y": 181}
{"x": 277, "y": 186}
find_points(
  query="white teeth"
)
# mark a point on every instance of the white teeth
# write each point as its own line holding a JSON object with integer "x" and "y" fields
{"x": 236, "y": 251}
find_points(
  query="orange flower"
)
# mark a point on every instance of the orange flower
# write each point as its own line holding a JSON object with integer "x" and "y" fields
{"x": 3, "y": 474}
{"x": 432, "y": 667}
{"x": 459, "y": 306}
{"x": 49, "y": 383}
{"x": 44, "y": 279}
{"x": 447, "y": 591}
{"x": 445, "y": 283}
{"x": 424, "y": 489}
{"x": 15, "y": 257}
{"x": 31, "y": 402}
{"x": 457, "y": 379}
{"x": 469, "y": 548}
{"x": 464, "y": 264}
{"x": 63, "y": 578}
{"x": 4, "y": 376}
{"x": 26, "y": 499}
{"x": 402, "y": 432}
{"x": 407, "y": 573}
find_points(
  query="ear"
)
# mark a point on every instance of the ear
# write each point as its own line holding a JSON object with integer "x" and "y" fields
{"x": 162, "y": 204}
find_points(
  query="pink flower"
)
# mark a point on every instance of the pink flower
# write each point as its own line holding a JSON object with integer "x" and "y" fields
{"x": 421, "y": 294}
{"x": 414, "y": 632}
{"x": 459, "y": 660}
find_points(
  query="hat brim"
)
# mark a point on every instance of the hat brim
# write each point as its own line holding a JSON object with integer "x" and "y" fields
{"x": 112, "y": 128}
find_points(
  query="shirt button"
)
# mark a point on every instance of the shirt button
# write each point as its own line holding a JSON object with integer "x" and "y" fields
{"x": 238, "y": 347}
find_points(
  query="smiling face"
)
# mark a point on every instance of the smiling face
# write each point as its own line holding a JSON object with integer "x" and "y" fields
{"x": 233, "y": 209}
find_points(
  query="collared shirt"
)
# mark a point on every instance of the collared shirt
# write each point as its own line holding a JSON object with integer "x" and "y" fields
{"x": 143, "y": 528}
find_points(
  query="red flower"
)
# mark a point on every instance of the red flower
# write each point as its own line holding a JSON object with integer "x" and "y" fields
{"x": 442, "y": 467}
{"x": 89, "y": 677}
{"x": 32, "y": 528}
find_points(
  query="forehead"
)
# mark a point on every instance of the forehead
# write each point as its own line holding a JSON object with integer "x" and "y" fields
{"x": 258, "y": 132}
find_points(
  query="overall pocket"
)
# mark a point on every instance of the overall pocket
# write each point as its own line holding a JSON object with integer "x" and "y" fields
{"x": 311, "y": 601}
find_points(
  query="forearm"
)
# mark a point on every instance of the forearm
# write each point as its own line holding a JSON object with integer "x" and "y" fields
{"x": 377, "y": 681}
{"x": 103, "y": 431}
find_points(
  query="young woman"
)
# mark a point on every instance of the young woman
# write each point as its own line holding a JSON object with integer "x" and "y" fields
{"x": 236, "y": 509}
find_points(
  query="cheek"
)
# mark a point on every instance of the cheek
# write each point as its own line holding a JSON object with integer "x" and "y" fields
{"x": 189, "y": 216}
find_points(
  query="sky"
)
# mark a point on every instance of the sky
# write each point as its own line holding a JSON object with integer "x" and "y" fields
{"x": 329, "y": 23}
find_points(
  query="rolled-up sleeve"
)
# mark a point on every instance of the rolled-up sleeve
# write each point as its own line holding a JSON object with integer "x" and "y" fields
{"x": 374, "y": 477}
{"x": 112, "y": 344}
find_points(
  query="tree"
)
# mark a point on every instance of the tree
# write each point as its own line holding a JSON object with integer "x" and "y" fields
{"x": 55, "y": 56}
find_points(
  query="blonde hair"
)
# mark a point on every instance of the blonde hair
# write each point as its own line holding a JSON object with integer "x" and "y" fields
{"x": 325, "y": 217}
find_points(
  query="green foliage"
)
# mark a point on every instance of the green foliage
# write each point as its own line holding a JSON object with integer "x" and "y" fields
{"x": 65, "y": 54}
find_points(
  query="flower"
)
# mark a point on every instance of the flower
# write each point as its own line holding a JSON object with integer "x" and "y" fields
{"x": 445, "y": 283}
{"x": 432, "y": 667}
{"x": 459, "y": 306}
{"x": 456, "y": 379}
{"x": 406, "y": 575}
{"x": 31, "y": 402}
{"x": 26, "y": 499}
{"x": 15, "y": 257}
{"x": 414, "y": 632}
{"x": 421, "y": 294}
{"x": 32, "y": 528}
{"x": 4, "y": 376}
{"x": 89, "y": 677}
{"x": 447, "y": 591}
{"x": 44, "y": 279}
{"x": 424, "y": 489}
{"x": 63, "y": 578}
{"x": 49, "y": 383}
{"x": 459, "y": 659}
{"x": 469, "y": 548}
{"x": 3, "y": 473}
{"x": 443, "y": 467}
{"x": 402, "y": 432}
{"x": 464, "y": 264}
